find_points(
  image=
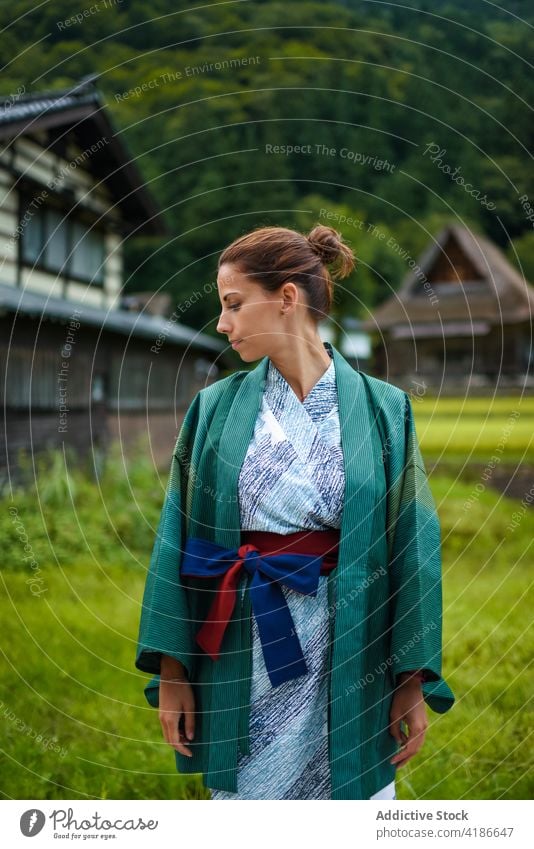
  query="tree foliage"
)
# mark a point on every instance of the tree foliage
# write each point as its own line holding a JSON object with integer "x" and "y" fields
{"x": 367, "y": 90}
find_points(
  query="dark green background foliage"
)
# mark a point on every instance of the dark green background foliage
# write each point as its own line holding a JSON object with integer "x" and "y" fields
{"x": 379, "y": 79}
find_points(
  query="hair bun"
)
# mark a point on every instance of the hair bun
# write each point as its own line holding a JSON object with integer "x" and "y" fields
{"x": 329, "y": 246}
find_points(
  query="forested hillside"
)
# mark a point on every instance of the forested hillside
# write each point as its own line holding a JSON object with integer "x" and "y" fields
{"x": 249, "y": 113}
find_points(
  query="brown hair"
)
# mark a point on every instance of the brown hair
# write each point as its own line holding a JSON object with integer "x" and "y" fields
{"x": 273, "y": 255}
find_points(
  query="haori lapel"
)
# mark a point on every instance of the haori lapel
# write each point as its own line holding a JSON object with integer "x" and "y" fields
{"x": 356, "y": 442}
{"x": 229, "y": 717}
{"x": 349, "y": 630}
{"x": 235, "y": 439}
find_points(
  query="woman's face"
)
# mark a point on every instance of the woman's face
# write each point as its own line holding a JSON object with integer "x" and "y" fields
{"x": 251, "y": 316}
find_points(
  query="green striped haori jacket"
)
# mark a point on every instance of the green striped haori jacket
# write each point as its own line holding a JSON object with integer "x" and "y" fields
{"x": 384, "y": 594}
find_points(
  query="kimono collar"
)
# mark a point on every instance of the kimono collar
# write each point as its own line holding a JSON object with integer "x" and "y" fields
{"x": 277, "y": 387}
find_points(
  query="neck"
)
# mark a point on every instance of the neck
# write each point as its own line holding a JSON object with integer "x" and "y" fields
{"x": 302, "y": 364}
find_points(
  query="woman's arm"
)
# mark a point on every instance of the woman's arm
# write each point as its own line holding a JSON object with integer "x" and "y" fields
{"x": 418, "y": 674}
{"x": 176, "y": 701}
{"x": 172, "y": 669}
{"x": 408, "y": 706}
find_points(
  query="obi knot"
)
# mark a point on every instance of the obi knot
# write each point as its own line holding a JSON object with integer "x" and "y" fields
{"x": 293, "y": 565}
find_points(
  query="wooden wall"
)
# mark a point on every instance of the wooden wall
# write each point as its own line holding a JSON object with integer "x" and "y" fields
{"x": 107, "y": 388}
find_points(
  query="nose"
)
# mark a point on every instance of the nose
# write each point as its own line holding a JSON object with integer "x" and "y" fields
{"x": 222, "y": 325}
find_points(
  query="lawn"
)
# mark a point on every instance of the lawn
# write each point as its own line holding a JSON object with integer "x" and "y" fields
{"x": 73, "y": 716}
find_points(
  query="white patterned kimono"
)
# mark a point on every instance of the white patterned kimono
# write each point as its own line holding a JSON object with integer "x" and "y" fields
{"x": 292, "y": 479}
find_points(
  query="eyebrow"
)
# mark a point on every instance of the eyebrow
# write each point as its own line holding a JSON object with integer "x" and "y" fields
{"x": 230, "y": 293}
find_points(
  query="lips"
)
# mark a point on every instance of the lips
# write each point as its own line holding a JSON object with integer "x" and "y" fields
{"x": 236, "y": 343}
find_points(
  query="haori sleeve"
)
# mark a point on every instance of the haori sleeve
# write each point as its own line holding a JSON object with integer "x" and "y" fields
{"x": 165, "y": 626}
{"x": 415, "y": 571}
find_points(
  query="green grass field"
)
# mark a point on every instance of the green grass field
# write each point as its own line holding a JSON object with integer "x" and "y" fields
{"x": 69, "y": 676}
{"x": 460, "y": 430}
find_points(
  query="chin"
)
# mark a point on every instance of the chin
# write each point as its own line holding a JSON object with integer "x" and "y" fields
{"x": 249, "y": 356}
{"x": 249, "y": 352}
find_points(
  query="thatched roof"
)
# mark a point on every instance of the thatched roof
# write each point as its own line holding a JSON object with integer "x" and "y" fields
{"x": 462, "y": 283}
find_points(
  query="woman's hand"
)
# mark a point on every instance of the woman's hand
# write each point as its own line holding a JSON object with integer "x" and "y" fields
{"x": 176, "y": 701}
{"x": 408, "y": 705}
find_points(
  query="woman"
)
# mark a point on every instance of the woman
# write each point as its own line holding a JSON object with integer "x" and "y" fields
{"x": 292, "y": 610}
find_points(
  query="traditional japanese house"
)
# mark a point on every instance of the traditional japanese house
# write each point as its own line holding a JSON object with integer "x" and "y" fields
{"x": 461, "y": 318}
{"x": 78, "y": 369}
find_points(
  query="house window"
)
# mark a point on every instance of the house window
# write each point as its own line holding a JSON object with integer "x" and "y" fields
{"x": 87, "y": 253}
{"x": 32, "y": 238}
{"x": 54, "y": 241}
